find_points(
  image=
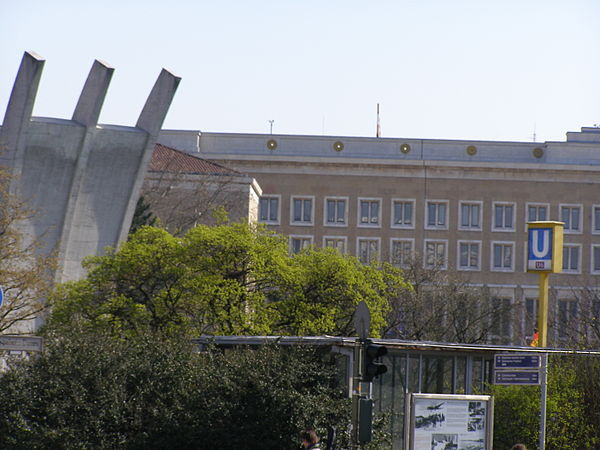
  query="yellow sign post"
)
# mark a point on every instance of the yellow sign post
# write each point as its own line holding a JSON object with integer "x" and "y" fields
{"x": 544, "y": 255}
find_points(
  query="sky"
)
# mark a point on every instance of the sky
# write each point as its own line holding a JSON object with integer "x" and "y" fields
{"x": 462, "y": 69}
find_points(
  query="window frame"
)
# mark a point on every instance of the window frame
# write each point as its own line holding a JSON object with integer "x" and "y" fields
{"x": 536, "y": 204}
{"x": 344, "y": 239}
{"x": 438, "y": 202}
{"x": 393, "y": 224}
{"x": 338, "y": 224}
{"x": 412, "y": 250}
{"x": 359, "y": 222}
{"x": 462, "y": 227}
{"x": 443, "y": 266}
{"x": 595, "y": 224}
{"x": 359, "y": 239}
{"x": 458, "y": 256}
{"x": 578, "y": 247}
{"x": 594, "y": 271}
{"x": 504, "y": 229}
{"x": 571, "y": 206}
{"x": 291, "y": 238}
{"x": 270, "y": 197}
{"x": 502, "y": 269}
{"x": 302, "y": 223}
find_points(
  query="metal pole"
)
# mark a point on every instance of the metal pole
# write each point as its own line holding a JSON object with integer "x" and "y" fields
{"x": 543, "y": 395}
{"x": 543, "y": 310}
{"x": 356, "y": 393}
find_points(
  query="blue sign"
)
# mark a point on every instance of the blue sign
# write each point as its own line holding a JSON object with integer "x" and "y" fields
{"x": 517, "y": 361}
{"x": 539, "y": 245}
{"x": 1, "y": 295}
{"x": 516, "y": 377}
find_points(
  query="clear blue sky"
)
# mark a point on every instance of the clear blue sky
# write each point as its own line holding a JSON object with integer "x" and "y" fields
{"x": 493, "y": 70}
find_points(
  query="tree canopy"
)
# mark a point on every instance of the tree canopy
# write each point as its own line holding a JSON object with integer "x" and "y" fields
{"x": 223, "y": 280}
{"x": 25, "y": 273}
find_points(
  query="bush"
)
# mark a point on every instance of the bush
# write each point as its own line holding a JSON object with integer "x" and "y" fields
{"x": 90, "y": 391}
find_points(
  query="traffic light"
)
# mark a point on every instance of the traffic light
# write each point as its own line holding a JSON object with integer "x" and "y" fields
{"x": 372, "y": 368}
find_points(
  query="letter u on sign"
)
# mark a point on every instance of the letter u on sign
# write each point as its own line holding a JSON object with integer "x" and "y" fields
{"x": 540, "y": 243}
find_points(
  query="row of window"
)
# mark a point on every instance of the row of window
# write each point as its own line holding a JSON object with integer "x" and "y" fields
{"x": 470, "y": 213}
{"x": 435, "y": 253}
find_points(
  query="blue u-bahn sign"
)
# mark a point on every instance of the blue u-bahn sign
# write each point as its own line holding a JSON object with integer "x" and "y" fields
{"x": 544, "y": 246}
{"x": 539, "y": 255}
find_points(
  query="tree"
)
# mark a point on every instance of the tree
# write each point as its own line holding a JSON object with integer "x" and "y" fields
{"x": 441, "y": 306}
{"x": 571, "y": 418}
{"x": 142, "y": 215}
{"x": 227, "y": 280}
{"x": 89, "y": 390}
{"x": 25, "y": 274}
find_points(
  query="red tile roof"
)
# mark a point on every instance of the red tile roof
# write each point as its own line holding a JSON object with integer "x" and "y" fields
{"x": 167, "y": 159}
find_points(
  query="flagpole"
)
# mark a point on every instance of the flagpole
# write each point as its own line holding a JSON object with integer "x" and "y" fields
{"x": 378, "y": 131}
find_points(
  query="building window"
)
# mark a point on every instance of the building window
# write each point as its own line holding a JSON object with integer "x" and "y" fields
{"x": 537, "y": 212}
{"x": 401, "y": 252}
{"x": 503, "y": 256}
{"x": 596, "y": 219}
{"x": 469, "y": 255}
{"x": 504, "y": 217}
{"x": 500, "y": 316}
{"x": 470, "y": 216}
{"x": 571, "y": 258}
{"x": 436, "y": 254}
{"x": 571, "y": 216}
{"x": 369, "y": 212}
{"x": 336, "y": 212}
{"x": 403, "y": 213}
{"x": 269, "y": 210}
{"x": 302, "y": 211}
{"x": 368, "y": 250}
{"x": 337, "y": 242}
{"x": 596, "y": 259}
{"x": 566, "y": 324}
{"x": 437, "y": 215}
{"x": 299, "y": 243}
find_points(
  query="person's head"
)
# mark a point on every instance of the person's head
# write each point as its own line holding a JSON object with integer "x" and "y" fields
{"x": 309, "y": 437}
{"x": 519, "y": 447}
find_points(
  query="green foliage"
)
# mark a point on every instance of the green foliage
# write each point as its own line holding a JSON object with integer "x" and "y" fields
{"x": 569, "y": 423}
{"x": 142, "y": 215}
{"x": 225, "y": 280}
{"x": 88, "y": 390}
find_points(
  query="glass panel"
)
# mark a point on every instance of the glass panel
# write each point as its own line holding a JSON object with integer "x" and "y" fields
{"x": 464, "y": 215}
{"x": 531, "y": 214}
{"x": 341, "y": 211}
{"x": 431, "y": 210}
{"x": 330, "y": 211}
{"x": 307, "y": 210}
{"x": 441, "y": 214}
{"x": 397, "y": 212}
{"x": 475, "y": 216}
{"x": 498, "y": 216}
{"x": 497, "y": 255}
{"x": 374, "y": 212}
{"x": 508, "y": 216}
{"x": 575, "y": 219}
{"x": 461, "y": 375}
{"x": 464, "y": 255}
{"x": 297, "y": 210}
{"x": 565, "y": 216}
{"x": 542, "y": 213}
{"x": 364, "y": 212}
{"x": 596, "y": 258}
{"x": 263, "y": 206}
{"x": 407, "y": 213}
{"x": 273, "y": 209}
{"x": 597, "y": 219}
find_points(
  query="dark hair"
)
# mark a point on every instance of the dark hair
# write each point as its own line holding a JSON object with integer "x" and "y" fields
{"x": 309, "y": 436}
{"x": 519, "y": 447}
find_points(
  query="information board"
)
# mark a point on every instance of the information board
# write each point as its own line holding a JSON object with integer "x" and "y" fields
{"x": 448, "y": 421}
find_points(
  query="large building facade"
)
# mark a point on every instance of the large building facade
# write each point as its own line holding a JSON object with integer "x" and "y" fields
{"x": 459, "y": 205}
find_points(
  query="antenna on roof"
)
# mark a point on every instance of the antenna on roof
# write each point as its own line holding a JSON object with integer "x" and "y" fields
{"x": 271, "y": 123}
{"x": 534, "y": 134}
{"x": 378, "y": 132}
